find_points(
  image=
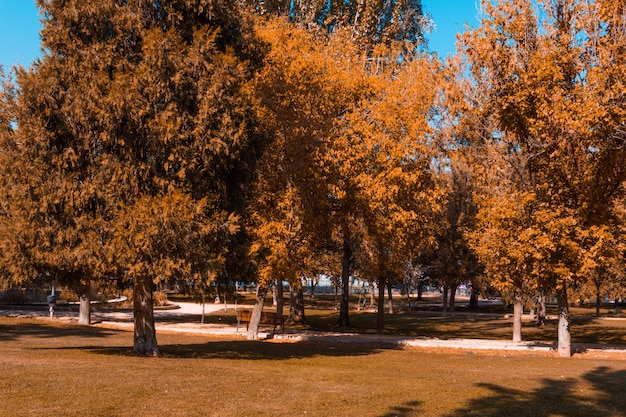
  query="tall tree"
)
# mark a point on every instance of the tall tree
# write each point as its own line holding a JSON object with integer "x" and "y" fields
{"x": 370, "y": 22}
{"x": 303, "y": 91}
{"x": 136, "y": 106}
{"x": 545, "y": 73}
{"x": 385, "y": 152}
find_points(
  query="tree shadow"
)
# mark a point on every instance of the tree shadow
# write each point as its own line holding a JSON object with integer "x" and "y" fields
{"x": 25, "y": 329}
{"x": 555, "y": 397}
{"x": 249, "y": 350}
{"x": 410, "y": 408}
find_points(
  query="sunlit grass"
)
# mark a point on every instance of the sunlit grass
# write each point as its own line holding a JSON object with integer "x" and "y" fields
{"x": 60, "y": 369}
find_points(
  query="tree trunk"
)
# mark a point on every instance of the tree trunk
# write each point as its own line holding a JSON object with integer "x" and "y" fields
{"x": 296, "y": 307}
{"x": 598, "y": 300}
{"x": 84, "y": 310}
{"x": 473, "y": 302}
{"x": 420, "y": 291}
{"x": 280, "y": 302}
{"x": 564, "y": 347}
{"x": 445, "y": 300}
{"x": 344, "y": 319}
{"x": 452, "y": 297}
{"x": 541, "y": 310}
{"x": 255, "y": 319}
{"x": 408, "y": 297}
{"x": 203, "y": 305}
{"x": 145, "y": 342}
{"x": 390, "y": 293}
{"x": 380, "y": 313}
{"x": 274, "y": 296}
{"x": 518, "y": 309}
{"x": 313, "y": 286}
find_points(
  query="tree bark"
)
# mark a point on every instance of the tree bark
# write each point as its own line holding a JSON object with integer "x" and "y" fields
{"x": 380, "y": 313}
{"x": 344, "y": 319}
{"x": 445, "y": 300}
{"x": 84, "y": 310}
{"x": 255, "y": 319}
{"x": 389, "y": 292}
{"x": 296, "y": 307}
{"x": 518, "y": 309}
{"x": 473, "y": 302}
{"x": 145, "y": 342}
{"x": 452, "y": 297}
{"x": 564, "y": 347}
{"x": 203, "y": 305}
{"x": 541, "y": 310}
{"x": 598, "y": 300}
{"x": 280, "y": 303}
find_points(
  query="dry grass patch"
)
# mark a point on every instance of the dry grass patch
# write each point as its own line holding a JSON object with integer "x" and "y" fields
{"x": 59, "y": 369}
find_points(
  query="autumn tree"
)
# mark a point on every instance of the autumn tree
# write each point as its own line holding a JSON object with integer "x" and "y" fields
{"x": 139, "y": 110}
{"x": 370, "y": 22}
{"x": 545, "y": 77}
{"x": 55, "y": 208}
{"x": 302, "y": 91}
{"x": 452, "y": 260}
{"x": 383, "y": 159}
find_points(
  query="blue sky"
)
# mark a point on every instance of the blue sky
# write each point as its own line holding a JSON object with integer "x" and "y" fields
{"x": 450, "y": 17}
{"x": 20, "y": 43}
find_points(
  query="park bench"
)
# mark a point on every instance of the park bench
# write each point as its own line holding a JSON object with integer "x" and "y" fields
{"x": 267, "y": 317}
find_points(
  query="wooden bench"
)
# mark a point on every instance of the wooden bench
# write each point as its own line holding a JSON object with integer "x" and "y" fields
{"x": 267, "y": 317}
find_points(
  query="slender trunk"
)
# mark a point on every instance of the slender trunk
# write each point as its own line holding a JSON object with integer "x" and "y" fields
{"x": 84, "y": 311}
{"x": 380, "y": 313}
{"x": 344, "y": 319}
{"x": 420, "y": 291}
{"x": 313, "y": 285}
{"x": 518, "y": 309}
{"x": 255, "y": 319}
{"x": 203, "y": 303}
{"x": 541, "y": 310}
{"x": 452, "y": 297}
{"x": 598, "y": 299}
{"x": 274, "y": 296}
{"x": 389, "y": 291}
{"x": 564, "y": 347}
{"x": 408, "y": 296}
{"x": 296, "y": 307}
{"x": 445, "y": 300}
{"x": 473, "y": 302}
{"x": 145, "y": 342}
{"x": 280, "y": 302}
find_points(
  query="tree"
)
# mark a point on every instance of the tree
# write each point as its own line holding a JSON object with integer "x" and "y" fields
{"x": 386, "y": 156}
{"x": 301, "y": 93}
{"x": 56, "y": 210}
{"x": 370, "y": 22}
{"x": 139, "y": 106}
{"x": 545, "y": 74}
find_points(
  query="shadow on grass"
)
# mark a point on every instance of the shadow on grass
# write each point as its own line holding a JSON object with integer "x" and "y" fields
{"x": 247, "y": 350}
{"x": 24, "y": 329}
{"x": 555, "y": 397}
{"x": 410, "y": 408}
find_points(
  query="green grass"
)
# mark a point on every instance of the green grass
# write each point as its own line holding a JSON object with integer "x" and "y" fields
{"x": 54, "y": 368}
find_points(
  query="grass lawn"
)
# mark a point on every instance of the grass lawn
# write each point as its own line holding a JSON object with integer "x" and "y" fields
{"x": 54, "y": 368}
